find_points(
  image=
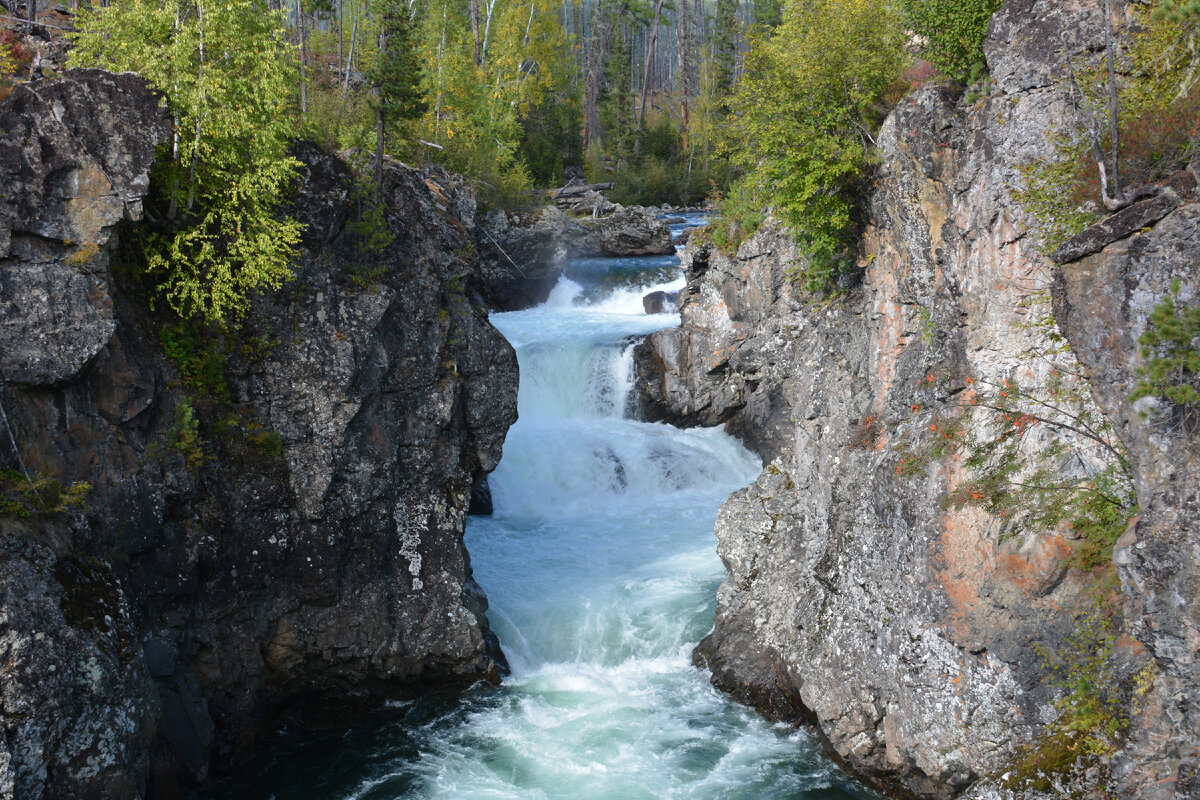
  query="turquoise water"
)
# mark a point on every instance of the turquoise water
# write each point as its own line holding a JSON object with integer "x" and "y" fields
{"x": 600, "y": 567}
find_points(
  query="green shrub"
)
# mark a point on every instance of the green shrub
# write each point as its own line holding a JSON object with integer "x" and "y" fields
{"x": 738, "y": 216}
{"x": 953, "y": 31}
{"x": 42, "y": 496}
{"x": 1169, "y": 349}
{"x": 805, "y": 109}
{"x": 196, "y": 348}
{"x": 184, "y": 434}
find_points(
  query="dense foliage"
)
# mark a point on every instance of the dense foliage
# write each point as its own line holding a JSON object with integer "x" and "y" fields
{"x": 228, "y": 76}
{"x": 952, "y": 32}
{"x": 807, "y": 109}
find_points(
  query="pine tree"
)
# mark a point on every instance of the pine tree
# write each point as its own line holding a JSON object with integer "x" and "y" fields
{"x": 396, "y": 77}
{"x": 725, "y": 47}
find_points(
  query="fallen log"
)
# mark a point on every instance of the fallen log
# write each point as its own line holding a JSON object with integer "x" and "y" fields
{"x": 582, "y": 188}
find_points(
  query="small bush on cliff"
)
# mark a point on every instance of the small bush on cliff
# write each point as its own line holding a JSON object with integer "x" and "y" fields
{"x": 8, "y": 67}
{"x": 1092, "y": 705}
{"x": 197, "y": 350}
{"x": 1169, "y": 349}
{"x": 228, "y": 75}
{"x": 739, "y": 214}
{"x": 184, "y": 434}
{"x": 39, "y": 495}
{"x": 808, "y": 105}
{"x": 953, "y": 33}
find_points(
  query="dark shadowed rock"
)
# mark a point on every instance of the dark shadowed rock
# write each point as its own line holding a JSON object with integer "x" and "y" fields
{"x": 307, "y": 557}
{"x": 523, "y": 255}
{"x": 661, "y": 302}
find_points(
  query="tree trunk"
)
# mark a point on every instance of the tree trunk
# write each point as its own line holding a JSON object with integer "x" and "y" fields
{"x": 379, "y": 132}
{"x": 350, "y": 57}
{"x": 303, "y": 59}
{"x": 604, "y": 20}
{"x": 487, "y": 31}
{"x": 648, "y": 70}
{"x": 1113, "y": 108}
{"x": 473, "y": 12}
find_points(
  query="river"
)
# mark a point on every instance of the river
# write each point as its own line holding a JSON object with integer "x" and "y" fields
{"x": 600, "y": 566}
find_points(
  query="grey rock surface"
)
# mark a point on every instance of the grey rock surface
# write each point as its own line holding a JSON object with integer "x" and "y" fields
{"x": 1103, "y": 302}
{"x": 307, "y": 558}
{"x": 909, "y": 631}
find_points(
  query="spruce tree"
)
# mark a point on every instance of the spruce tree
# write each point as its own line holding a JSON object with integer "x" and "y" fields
{"x": 396, "y": 77}
{"x": 725, "y": 47}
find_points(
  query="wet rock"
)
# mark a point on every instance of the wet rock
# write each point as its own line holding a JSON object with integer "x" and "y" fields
{"x": 661, "y": 302}
{"x": 626, "y": 232}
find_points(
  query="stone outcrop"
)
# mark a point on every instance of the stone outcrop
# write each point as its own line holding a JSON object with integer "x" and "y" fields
{"x": 1103, "y": 303}
{"x": 911, "y": 632}
{"x": 525, "y": 253}
{"x": 290, "y": 543}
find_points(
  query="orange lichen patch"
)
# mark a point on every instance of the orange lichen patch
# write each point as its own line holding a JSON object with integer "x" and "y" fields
{"x": 1129, "y": 644}
{"x": 1034, "y": 567}
{"x": 964, "y": 561}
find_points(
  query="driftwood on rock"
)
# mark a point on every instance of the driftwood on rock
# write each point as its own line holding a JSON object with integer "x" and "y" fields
{"x": 579, "y": 188}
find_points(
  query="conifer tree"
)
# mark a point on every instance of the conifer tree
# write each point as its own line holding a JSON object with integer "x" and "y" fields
{"x": 396, "y": 77}
{"x": 725, "y": 47}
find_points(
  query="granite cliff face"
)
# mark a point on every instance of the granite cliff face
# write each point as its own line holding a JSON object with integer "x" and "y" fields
{"x": 292, "y": 548}
{"x": 1103, "y": 300}
{"x": 910, "y": 632}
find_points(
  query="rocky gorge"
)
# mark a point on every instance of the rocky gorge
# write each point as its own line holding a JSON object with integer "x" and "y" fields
{"x": 205, "y": 535}
{"x": 275, "y": 530}
{"x": 921, "y": 636}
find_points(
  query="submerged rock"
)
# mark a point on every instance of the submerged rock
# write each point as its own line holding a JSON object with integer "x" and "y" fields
{"x": 661, "y": 302}
{"x": 300, "y": 551}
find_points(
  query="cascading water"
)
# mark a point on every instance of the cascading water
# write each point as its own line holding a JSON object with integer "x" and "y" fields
{"x": 600, "y": 567}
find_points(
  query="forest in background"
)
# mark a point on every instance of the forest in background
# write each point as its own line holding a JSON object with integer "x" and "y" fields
{"x": 754, "y": 104}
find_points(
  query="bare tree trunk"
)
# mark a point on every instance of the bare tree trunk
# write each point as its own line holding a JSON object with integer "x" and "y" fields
{"x": 303, "y": 59}
{"x": 473, "y": 12}
{"x": 1113, "y": 108}
{"x": 647, "y": 71}
{"x": 199, "y": 116}
{"x": 604, "y": 20}
{"x": 350, "y": 57}
{"x": 487, "y": 30}
{"x": 379, "y": 132}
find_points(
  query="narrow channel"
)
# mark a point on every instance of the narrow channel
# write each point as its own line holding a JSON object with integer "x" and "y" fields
{"x": 600, "y": 566}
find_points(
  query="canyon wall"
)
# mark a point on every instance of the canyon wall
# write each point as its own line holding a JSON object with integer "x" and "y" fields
{"x": 283, "y": 541}
{"x": 921, "y": 636}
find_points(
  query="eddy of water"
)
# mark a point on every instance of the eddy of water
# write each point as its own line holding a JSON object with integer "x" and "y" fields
{"x": 600, "y": 567}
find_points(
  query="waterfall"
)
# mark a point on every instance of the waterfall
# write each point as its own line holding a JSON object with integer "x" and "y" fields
{"x": 600, "y": 567}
